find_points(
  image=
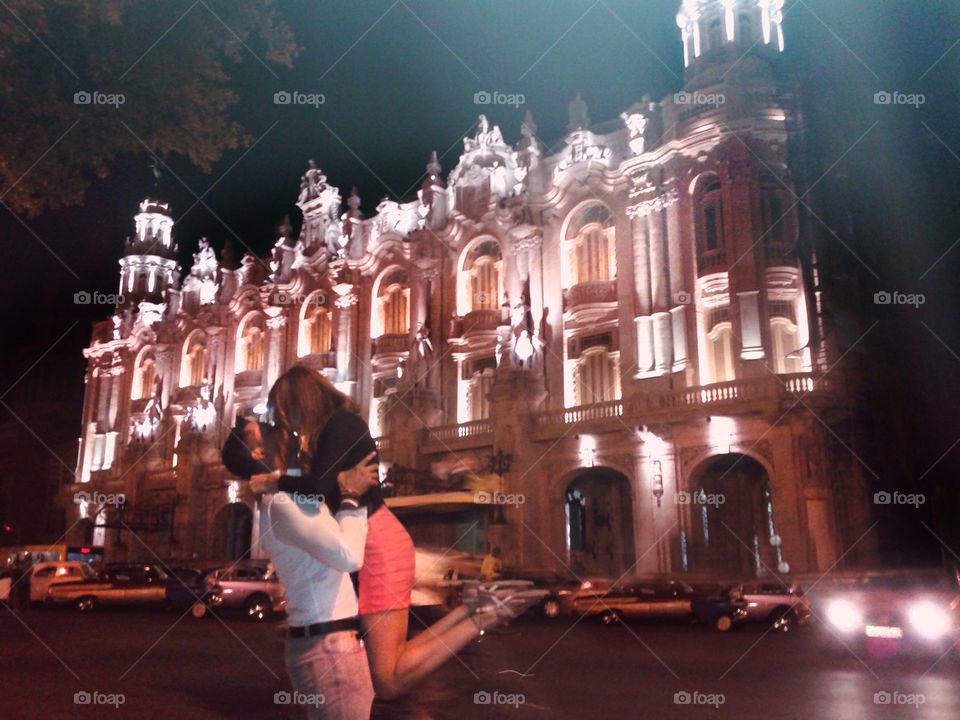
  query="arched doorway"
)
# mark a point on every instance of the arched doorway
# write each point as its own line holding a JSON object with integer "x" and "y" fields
{"x": 233, "y": 527}
{"x": 599, "y": 522}
{"x": 730, "y": 521}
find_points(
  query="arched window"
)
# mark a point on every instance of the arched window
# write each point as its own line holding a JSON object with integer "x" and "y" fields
{"x": 250, "y": 342}
{"x": 479, "y": 385}
{"x": 481, "y": 283}
{"x": 193, "y": 364}
{"x": 746, "y": 29}
{"x": 393, "y": 305}
{"x": 576, "y": 520}
{"x": 719, "y": 346}
{"x": 144, "y": 377}
{"x": 773, "y": 213}
{"x": 786, "y": 351}
{"x": 316, "y": 331}
{"x": 591, "y": 246}
{"x": 709, "y": 225}
{"x": 715, "y": 35}
{"x": 597, "y": 377}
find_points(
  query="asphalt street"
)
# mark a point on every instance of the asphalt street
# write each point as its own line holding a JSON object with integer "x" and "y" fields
{"x": 62, "y": 664}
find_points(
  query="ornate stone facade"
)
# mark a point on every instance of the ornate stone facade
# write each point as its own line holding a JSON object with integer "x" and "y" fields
{"x": 605, "y": 358}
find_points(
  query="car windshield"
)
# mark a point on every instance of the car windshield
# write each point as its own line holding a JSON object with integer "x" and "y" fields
{"x": 87, "y": 572}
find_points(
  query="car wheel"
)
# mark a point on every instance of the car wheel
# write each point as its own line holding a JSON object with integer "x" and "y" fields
{"x": 723, "y": 622}
{"x": 550, "y": 608}
{"x": 199, "y": 609}
{"x": 257, "y": 607}
{"x": 611, "y": 617}
{"x": 86, "y": 603}
{"x": 782, "y": 620}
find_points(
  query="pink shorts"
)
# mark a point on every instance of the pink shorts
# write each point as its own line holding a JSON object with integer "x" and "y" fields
{"x": 386, "y": 578}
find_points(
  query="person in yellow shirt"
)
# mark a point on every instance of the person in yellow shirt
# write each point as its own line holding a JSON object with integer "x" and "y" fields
{"x": 491, "y": 567}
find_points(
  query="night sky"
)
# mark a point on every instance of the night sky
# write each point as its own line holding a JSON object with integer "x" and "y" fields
{"x": 399, "y": 81}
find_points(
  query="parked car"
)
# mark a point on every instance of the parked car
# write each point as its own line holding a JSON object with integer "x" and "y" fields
{"x": 5, "y": 585}
{"x": 124, "y": 584}
{"x": 559, "y": 585}
{"x": 783, "y": 607}
{"x": 638, "y": 599}
{"x": 250, "y": 586}
{"x": 897, "y": 610}
{"x": 44, "y": 575}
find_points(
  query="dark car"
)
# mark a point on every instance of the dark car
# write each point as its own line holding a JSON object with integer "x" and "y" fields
{"x": 250, "y": 586}
{"x": 781, "y": 606}
{"x": 122, "y": 584}
{"x": 639, "y": 599}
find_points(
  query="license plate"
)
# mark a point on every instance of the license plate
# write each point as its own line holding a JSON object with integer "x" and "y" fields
{"x": 882, "y": 631}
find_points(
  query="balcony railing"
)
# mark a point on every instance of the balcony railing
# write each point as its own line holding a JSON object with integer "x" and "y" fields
{"x": 393, "y": 343}
{"x": 777, "y": 254}
{"x": 772, "y": 391}
{"x": 480, "y": 321}
{"x": 594, "y": 291}
{"x": 476, "y": 433}
{"x": 569, "y": 416}
{"x": 712, "y": 261}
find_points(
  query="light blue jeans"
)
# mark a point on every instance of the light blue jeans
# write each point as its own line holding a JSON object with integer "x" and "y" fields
{"x": 330, "y": 677}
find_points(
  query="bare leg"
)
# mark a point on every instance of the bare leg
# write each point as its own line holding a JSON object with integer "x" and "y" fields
{"x": 397, "y": 664}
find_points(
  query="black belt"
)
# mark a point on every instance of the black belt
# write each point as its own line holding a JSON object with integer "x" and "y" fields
{"x": 324, "y": 628}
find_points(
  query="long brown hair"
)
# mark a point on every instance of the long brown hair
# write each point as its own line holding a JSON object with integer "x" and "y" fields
{"x": 301, "y": 402}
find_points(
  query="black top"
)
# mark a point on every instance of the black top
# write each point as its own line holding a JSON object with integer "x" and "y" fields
{"x": 344, "y": 441}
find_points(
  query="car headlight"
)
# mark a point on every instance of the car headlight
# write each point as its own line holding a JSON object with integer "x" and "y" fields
{"x": 931, "y": 621}
{"x": 844, "y": 615}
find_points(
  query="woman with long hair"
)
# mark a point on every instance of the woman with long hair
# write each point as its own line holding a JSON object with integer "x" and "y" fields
{"x": 314, "y": 420}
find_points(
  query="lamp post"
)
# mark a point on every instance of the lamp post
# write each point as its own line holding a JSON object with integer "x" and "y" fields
{"x": 499, "y": 462}
{"x": 657, "y": 483}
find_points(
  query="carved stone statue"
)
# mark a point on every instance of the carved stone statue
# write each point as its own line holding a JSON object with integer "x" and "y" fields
{"x": 422, "y": 342}
{"x": 577, "y": 111}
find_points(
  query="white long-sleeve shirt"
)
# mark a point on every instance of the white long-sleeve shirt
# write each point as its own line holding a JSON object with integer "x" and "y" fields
{"x": 314, "y": 554}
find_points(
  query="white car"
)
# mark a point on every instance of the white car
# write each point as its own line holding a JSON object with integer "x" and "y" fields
{"x": 45, "y": 574}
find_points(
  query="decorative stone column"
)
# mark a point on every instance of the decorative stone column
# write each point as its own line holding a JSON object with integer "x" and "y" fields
{"x": 346, "y": 334}
{"x": 273, "y": 363}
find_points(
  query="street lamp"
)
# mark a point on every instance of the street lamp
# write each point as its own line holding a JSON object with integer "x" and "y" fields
{"x": 657, "y": 485}
{"x": 499, "y": 462}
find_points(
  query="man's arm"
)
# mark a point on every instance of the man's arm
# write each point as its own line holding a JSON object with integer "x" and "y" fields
{"x": 337, "y": 542}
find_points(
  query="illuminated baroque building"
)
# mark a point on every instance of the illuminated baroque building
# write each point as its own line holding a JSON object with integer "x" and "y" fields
{"x": 608, "y": 354}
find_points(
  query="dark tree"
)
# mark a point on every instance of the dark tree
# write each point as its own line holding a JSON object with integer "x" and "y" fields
{"x": 172, "y": 61}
